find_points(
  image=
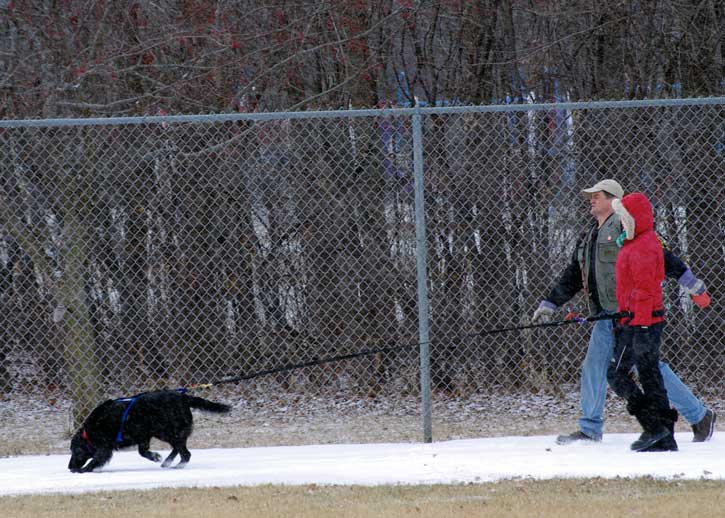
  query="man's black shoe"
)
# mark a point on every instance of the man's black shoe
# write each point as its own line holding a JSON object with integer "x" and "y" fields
{"x": 649, "y": 439}
{"x": 704, "y": 429}
{"x": 574, "y": 437}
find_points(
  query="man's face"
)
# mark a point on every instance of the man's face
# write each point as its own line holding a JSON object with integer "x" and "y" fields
{"x": 600, "y": 204}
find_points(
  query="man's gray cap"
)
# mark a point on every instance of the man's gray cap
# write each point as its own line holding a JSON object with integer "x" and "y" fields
{"x": 607, "y": 185}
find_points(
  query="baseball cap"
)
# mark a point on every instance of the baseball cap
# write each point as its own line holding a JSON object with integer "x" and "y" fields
{"x": 607, "y": 185}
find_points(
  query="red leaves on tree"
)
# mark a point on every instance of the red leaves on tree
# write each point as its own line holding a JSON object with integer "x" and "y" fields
{"x": 136, "y": 14}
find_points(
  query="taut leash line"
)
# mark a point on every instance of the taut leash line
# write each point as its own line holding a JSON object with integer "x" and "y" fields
{"x": 572, "y": 319}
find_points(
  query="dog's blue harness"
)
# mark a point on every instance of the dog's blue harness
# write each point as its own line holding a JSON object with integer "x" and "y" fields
{"x": 130, "y": 401}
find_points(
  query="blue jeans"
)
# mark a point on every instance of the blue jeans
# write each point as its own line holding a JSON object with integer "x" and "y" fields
{"x": 594, "y": 384}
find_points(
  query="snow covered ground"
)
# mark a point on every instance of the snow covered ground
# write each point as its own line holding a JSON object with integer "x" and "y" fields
{"x": 457, "y": 461}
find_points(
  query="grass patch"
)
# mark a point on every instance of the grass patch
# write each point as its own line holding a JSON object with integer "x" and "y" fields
{"x": 643, "y": 497}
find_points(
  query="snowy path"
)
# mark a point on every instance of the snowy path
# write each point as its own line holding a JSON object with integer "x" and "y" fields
{"x": 474, "y": 460}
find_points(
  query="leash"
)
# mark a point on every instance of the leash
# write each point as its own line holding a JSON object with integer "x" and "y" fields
{"x": 571, "y": 318}
{"x": 302, "y": 365}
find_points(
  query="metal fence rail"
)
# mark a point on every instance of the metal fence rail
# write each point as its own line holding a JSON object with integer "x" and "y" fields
{"x": 162, "y": 251}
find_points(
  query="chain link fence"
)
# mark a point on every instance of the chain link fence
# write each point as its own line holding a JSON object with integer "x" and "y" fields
{"x": 142, "y": 253}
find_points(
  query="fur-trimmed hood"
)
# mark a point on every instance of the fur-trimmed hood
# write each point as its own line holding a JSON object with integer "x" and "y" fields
{"x": 635, "y": 212}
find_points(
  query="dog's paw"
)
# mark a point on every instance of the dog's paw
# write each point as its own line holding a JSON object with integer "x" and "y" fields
{"x": 166, "y": 464}
{"x": 180, "y": 465}
{"x": 154, "y": 456}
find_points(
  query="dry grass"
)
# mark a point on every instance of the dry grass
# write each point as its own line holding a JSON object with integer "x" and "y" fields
{"x": 552, "y": 498}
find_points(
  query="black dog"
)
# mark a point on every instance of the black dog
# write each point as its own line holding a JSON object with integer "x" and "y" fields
{"x": 120, "y": 423}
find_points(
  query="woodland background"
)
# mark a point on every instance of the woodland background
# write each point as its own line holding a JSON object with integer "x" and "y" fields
{"x": 83, "y": 58}
{"x": 147, "y": 254}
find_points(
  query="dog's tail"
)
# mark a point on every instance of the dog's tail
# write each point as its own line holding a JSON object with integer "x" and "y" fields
{"x": 206, "y": 405}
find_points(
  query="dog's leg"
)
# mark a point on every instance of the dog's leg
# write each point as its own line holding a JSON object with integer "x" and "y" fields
{"x": 143, "y": 450}
{"x": 170, "y": 458}
{"x": 185, "y": 455}
{"x": 100, "y": 458}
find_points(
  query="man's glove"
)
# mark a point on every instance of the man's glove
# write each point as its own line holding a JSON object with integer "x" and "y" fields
{"x": 543, "y": 313}
{"x": 695, "y": 288}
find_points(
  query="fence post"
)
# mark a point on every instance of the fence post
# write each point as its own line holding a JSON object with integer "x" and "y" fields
{"x": 421, "y": 252}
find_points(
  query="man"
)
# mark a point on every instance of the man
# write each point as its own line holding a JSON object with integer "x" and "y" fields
{"x": 592, "y": 269}
{"x": 640, "y": 270}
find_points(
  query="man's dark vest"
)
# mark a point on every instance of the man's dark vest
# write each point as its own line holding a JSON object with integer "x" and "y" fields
{"x": 606, "y": 257}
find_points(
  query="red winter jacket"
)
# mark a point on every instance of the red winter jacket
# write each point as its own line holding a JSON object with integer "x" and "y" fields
{"x": 640, "y": 267}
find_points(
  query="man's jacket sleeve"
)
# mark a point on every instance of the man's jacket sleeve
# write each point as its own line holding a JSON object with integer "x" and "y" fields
{"x": 569, "y": 282}
{"x": 677, "y": 269}
{"x": 674, "y": 266}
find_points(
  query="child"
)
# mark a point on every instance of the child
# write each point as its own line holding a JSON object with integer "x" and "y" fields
{"x": 639, "y": 272}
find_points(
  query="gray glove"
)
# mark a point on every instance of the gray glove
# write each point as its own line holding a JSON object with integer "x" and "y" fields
{"x": 691, "y": 284}
{"x": 543, "y": 313}
{"x": 697, "y": 288}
